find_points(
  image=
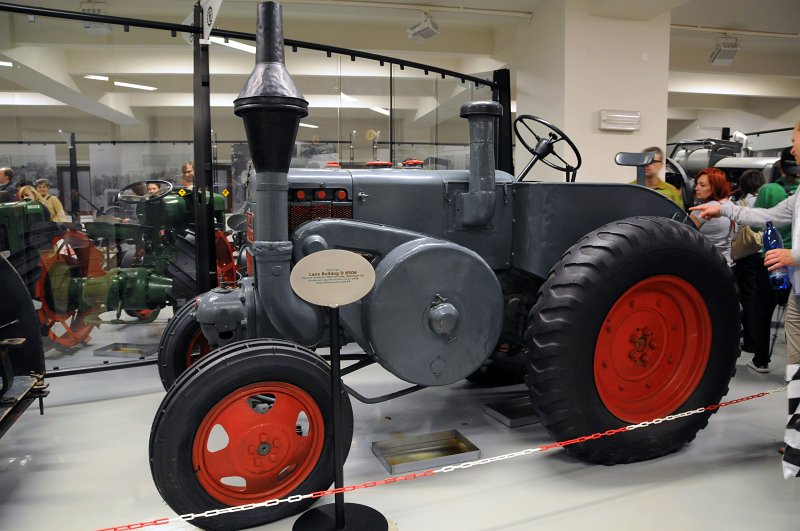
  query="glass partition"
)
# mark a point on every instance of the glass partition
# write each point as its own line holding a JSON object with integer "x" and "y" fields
{"x": 92, "y": 109}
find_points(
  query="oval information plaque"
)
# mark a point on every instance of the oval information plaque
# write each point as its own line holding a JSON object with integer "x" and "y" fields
{"x": 332, "y": 277}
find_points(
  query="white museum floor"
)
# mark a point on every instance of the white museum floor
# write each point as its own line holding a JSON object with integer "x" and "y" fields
{"x": 84, "y": 464}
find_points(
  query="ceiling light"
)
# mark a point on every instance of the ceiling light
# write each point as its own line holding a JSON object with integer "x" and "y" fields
{"x": 310, "y": 126}
{"x": 726, "y": 50}
{"x": 423, "y": 31}
{"x": 380, "y": 110}
{"x": 96, "y": 78}
{"x": 6, "y": 63}
{"x": 133, "y": 85}
{"x": 233, "y": 44}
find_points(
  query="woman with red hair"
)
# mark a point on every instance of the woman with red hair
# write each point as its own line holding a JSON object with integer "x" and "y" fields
{"x": 712, "y": 188}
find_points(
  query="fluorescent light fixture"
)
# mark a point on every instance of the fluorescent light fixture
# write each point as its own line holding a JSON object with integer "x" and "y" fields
{"x": 310, "y": 126}
{"x": 611, "y": 120}
{"x": 97, "y": 78}
{"x": 6, "y": 63}
{"x": 234, "y": 44}
{"x": 133, "y": 85}
{"x": 345, "y": 97}
{"x": 380, "y": 110}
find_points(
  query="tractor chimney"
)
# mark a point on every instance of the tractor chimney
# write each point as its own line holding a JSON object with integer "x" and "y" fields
{"x": 271, "y": 106}
{"x": 477, "y": 205}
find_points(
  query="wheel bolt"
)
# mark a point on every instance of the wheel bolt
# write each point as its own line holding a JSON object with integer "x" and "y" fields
{"x": 653, "y": 344}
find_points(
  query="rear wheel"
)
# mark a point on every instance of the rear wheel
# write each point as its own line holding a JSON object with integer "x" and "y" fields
{"x": 71, "y": 255}
{"x": 258, "y": 426}
{"x": 639, "y": 320}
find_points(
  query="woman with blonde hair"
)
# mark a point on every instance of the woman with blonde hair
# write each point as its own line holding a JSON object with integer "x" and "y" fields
{"x": 29, "y": 193}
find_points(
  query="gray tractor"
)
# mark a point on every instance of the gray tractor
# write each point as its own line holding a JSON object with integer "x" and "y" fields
{"x": 611, "y": 308}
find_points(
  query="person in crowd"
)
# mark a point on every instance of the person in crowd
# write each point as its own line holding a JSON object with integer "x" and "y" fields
{"x": 653, "y": 180}
{"x": 52, "y": 203}
{"x": 29, "y": 193}
{"x": 712, "y": 187}
{"x": 757, "y": 296}
{"x": 770, "y": 195}
{"x": 153, "y": 188}
{"x": 782, "y": 214}
{"x": 750, "y": 183}
{"x": 187, "y": 175}
{"x": 7, "y": 181}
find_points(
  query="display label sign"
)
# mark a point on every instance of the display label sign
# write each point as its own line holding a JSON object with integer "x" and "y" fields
{"x": 332, "y": 277}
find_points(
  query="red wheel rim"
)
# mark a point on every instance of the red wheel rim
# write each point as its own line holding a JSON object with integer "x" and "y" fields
{"x": 143, "y": 315}
{"x": 244, "y": 456}
{"x": 198, "y": 347}
{"x": 652, "y": 349}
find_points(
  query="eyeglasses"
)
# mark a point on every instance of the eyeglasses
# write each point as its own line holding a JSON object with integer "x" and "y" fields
{"x": 656, "y": 161}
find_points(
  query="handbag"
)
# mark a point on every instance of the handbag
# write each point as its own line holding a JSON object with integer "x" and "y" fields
{"x": 747, "y": 242}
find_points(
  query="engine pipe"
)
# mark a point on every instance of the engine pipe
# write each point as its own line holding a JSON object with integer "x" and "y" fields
{"x": 271, "y": 107}
{"x": 477, "y": 205}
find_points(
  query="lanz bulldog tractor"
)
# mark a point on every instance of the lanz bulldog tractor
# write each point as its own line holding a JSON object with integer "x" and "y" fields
{"x": 617, "y": 310}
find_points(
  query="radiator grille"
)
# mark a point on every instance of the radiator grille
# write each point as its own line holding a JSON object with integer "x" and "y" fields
{"x": 299, "y": 213}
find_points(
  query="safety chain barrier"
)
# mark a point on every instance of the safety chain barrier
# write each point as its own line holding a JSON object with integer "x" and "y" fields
{"x": 442, "y": 470}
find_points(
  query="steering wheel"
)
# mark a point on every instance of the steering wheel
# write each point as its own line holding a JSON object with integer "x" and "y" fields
{"x": 544, "y": 147}
{"x": 144, "y": 191}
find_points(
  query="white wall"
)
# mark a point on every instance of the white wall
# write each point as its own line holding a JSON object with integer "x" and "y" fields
{"x": 614, "y": 64}
{"x": 570, "y": 64}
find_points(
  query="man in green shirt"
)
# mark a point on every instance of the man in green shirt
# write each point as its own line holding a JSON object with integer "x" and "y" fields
{"x": 654, "y": 182}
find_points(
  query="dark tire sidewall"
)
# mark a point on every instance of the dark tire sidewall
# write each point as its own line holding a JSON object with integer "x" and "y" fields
{"x": 571, "y": 362}
{"x": 199, "y": 390}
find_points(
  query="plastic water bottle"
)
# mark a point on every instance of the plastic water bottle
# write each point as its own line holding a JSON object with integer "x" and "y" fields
{"x": 779, "y": 278}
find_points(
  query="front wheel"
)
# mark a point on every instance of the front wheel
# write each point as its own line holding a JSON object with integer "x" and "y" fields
{"x": 249, "y": 423}
{"x": 639, "y": 320}
{"x": 182, "y": 344}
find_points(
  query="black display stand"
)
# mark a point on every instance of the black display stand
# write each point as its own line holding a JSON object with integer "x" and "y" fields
{"x": 339, "y": 516}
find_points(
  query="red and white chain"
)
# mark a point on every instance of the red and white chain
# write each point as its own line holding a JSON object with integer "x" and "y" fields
{"x": 442, "y": 470}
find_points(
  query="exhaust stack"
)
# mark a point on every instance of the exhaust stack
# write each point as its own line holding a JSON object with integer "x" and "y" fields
{"x": 271, "y": 106}
{"x": 477, "y": 205}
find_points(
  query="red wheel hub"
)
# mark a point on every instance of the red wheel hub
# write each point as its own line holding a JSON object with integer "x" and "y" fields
{"x": 652, "y": 349}
{"x": 249, "y": 447}
{"x": 198, "y": 347}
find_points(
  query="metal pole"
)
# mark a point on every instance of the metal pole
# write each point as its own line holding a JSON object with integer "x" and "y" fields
{"x": 75, "y": 198}
{"x": 204, "y": 179}
{"x": 336, "y": 389}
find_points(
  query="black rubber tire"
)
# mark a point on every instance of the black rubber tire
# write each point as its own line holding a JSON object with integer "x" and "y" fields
{"x": 174, "y": 345}
{"x": 567, "y": 318}
{"x": 205, "y": 385}
{"x": 28, "y": 357}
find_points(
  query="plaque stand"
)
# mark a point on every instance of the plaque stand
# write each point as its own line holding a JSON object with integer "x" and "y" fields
{"x": 339, "y": 516}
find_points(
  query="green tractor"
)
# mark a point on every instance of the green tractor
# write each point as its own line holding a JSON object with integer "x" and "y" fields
{"x": 135, "y": 266}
